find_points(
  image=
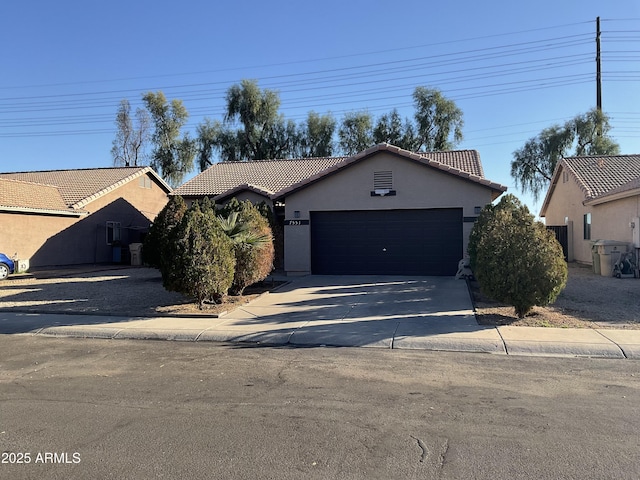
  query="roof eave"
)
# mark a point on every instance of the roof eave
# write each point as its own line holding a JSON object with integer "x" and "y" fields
{"x": 611, "y": 197}
{"x": 43, "y": 211}
{"x": 110, "y": 188}
{"x": 412, "y": 156}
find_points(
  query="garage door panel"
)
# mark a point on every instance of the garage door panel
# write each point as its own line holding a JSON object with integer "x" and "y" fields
{"x": 409, "y": 242}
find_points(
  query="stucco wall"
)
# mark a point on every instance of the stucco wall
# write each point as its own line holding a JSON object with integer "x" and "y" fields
{"x": 55, "y": 240}
{"x": 416, "y": 186}
{"x": 253, "y": 197}
{"x": 609, "y": 221}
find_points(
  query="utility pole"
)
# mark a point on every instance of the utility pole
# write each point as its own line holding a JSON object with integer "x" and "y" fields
{"x": 598, "y": 68}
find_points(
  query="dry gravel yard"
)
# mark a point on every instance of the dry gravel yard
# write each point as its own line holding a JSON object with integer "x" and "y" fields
{"x": 103, "y": 290}
{"x": 588, "y": 301}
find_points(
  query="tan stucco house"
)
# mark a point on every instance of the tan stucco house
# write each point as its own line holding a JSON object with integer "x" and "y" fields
{"x": 382, "y": 211}
{"x": 596, "y": 198}
{"x": 66, "y": 217}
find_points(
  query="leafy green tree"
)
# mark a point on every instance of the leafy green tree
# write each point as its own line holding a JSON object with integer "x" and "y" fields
{"x": 204, "y": 263}
{"x": 355, "y": 132}
{"x": 157, "y": 246}
{"x": 316, "y": 135}
{"x": 437, "y": 125}
{"x": 515, "y": 259}
{"x": 587, "y": 134}
{"x": 438, "y": 121}
{"x": 253, "y": 128}
{"x": 131, "y": 139}
{"x": 390, "y": 128}
{"x": 172, "y": 156}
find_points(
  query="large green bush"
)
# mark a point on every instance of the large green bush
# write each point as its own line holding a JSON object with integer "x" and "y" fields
{"x": 157, "y": 246}
{"x": 204, "y": 262}
{"x": 515, "y": 259}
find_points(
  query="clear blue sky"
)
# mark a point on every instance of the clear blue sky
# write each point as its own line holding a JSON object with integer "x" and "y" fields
{"x": 514, "y": 68}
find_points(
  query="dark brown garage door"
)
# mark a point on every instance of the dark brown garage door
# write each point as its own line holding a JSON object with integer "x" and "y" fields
{"x": 387, "y": 242}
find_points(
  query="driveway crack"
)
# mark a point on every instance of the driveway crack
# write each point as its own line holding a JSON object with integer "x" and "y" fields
{"x": 422, "y": 447}
{"x": 443, "y": 456}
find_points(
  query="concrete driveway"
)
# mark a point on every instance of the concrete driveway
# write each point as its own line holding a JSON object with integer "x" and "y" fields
{"x": 427, "y": 313}
{"x": 365, "y": 311}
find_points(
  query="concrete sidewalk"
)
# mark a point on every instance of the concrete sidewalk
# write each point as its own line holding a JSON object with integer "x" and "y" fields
{"x": 382, "y": 312}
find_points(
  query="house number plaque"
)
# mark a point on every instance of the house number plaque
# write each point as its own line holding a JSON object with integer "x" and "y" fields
{"x": 295, "y": 223}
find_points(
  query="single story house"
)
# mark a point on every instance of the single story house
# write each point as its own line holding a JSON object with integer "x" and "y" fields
{"x": 383, "y": 211}
{"x": 595, "y": 198}
{"x": 66, "y": 217}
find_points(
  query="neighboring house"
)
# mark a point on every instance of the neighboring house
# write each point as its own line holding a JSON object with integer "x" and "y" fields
{"x": 596, "y": 198}
{"x": 66, "y": 217}
{"x": 382, "y": 211}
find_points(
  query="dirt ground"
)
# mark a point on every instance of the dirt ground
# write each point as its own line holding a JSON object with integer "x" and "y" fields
{"x": 131, "y": 291}
{"x": 588, "y": 301}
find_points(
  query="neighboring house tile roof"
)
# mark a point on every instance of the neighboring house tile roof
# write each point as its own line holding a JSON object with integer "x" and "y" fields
{"x": 16, "y": 195}
{"x": 598, "y": 176}
{"x": 79, "y": 187}
{"x": 281, "y": 176}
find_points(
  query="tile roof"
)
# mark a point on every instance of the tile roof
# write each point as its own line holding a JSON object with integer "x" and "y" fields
{"x": 598, "y": 176}
{"x": 79, "y": 187}
{"x": 17, "y": 195}
{"x": 464, "y": 160}
{"x": 269, "y": 175}
{"x": 281, "y": 176}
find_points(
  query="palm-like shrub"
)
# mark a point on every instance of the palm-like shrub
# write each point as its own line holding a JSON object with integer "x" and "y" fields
{"x": 515, "y": 259}
{"x": 252, "y": 243}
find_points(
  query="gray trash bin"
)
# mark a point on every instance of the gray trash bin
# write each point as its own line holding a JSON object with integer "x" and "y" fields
{"x": 595, "y": 257}
{"x": 608, "y": 251}
{"x": 136, "y": 253}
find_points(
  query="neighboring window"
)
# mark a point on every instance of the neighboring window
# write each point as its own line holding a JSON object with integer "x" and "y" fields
{"x": 587, "y": 226}
{"x": 565, "y": 177}
{"x": 113, "y": 232}
{"x": 145, "y": 182}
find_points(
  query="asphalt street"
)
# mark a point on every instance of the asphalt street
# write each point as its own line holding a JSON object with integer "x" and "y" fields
{"x": 86, "y": 408}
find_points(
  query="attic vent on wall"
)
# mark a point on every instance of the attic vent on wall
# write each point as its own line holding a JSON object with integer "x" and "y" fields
{"x": 383, "y": 184}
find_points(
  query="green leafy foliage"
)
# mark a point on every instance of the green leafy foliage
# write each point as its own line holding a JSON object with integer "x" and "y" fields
{"x": 438, "y": 120}
{"x": 515, "y": 259}
{"x": 172, "y": 156}
{"x": 253, "y": 243}
{"x": 157, "y": 245}
{"x": 355, "y": 133}
{"x": 204, "y": 262}
{"x": 254, "y": 129}
{"x": 587, "y": 134}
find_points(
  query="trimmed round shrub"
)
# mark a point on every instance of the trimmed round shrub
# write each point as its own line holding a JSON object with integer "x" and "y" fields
{"x": 156, "y": 246}
{"x": 515, "y": 259}
{"x": 204, "y": 262}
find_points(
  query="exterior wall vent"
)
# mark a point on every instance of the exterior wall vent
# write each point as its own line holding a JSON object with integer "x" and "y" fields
{"x": 383, "y": 180}
{"x": 383, "y": 184}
